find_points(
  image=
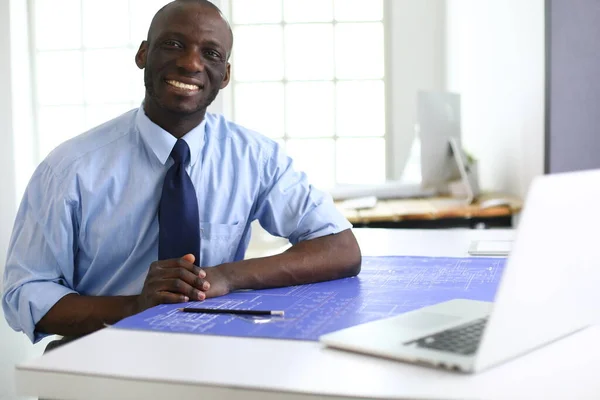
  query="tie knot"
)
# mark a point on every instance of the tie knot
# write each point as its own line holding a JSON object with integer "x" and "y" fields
{"x": 181, "y": 152}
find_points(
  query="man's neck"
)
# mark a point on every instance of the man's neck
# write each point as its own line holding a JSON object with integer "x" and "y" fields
{"x": 175, "y": 123}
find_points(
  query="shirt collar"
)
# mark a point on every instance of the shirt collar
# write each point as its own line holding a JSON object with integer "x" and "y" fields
{"x": 162, "y": 142}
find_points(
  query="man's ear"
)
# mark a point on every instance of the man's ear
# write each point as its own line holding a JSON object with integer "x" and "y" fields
{"x": 140, "y": 56}
{"x": 226, "y": 77}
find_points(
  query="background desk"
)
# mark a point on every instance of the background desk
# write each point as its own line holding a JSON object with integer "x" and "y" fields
{"x": 124, "y": 364}
{"x": 437, "y": 212}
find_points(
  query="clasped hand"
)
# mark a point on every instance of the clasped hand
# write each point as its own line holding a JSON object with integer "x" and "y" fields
{"x": 178, "y": 280}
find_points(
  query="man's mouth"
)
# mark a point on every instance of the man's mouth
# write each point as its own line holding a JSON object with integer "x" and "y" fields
{"x": 184, "y": 86}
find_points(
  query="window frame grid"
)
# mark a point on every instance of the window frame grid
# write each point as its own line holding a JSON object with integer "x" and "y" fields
{"x": 82, "y": 49}
{"x": 285, "y": 138}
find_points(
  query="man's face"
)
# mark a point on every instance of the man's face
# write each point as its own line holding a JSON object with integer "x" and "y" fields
{"x": 185, "y": 58}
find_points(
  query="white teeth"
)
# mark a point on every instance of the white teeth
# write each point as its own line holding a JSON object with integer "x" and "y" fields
{"x": 183, "y": 85}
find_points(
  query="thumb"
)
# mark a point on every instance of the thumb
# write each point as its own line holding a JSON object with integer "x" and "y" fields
{"x": 189, "y": 257}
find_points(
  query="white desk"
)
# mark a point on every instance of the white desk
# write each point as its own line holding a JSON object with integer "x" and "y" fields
{"x": 124, "y": 364}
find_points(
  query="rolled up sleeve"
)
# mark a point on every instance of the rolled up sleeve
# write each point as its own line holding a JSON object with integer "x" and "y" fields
{"x": 39, "y": 265}
{"x": 289, "y": 206}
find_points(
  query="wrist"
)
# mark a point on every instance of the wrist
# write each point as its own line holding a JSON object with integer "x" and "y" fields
{"x": 226, "y": 271}
{"x": 132, "y": 306}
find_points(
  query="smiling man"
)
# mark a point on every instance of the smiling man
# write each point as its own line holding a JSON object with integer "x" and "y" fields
{"x": 185, "y": 62}
{"x": 155, "y": 206}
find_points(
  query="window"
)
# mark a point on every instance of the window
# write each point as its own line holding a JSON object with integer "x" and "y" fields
{"x": 310, "y": 74}
{"x": 83, "y": 63}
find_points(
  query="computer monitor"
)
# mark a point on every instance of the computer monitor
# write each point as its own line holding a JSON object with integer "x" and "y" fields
{"x": 442, "y": 157}
{"x": 439, "y": 121}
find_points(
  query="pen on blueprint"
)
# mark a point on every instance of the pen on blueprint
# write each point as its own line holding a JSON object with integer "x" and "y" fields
{"x": 278, "y": 313}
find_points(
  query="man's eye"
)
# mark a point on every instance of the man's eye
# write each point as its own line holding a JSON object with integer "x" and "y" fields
{"x": 172, "y": 43}
{"x": 213, "y": 54}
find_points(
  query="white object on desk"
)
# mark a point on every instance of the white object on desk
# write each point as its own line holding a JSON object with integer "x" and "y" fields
{"x": 387, "y": 190}
{"x": 359, "y": 203}
{"x": 492, "y": 248}
{"x": 131, "y": 364}
{"x": 494, "y": 202}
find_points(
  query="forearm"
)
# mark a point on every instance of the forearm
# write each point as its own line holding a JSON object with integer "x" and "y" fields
{"x": 75, "y": 315}
{"x": 325, "y": 258}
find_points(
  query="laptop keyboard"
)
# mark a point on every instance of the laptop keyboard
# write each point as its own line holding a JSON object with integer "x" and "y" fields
{"x": 463, "y": 339}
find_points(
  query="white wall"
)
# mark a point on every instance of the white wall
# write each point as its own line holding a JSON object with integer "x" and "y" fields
{"x": 495, "y": 59}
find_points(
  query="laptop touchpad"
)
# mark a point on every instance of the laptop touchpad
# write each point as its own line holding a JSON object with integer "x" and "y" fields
{"x": 427, "y": 320}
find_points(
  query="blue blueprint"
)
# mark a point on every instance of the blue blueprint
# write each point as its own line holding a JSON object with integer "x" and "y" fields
{"x": 386, "y": 286}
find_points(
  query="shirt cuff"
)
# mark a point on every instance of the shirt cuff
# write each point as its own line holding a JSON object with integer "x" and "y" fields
{"x": 35, "y": 299}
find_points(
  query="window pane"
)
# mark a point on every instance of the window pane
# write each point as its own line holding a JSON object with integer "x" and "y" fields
{"x": 258, "y": 53}
{"x": 57, "y": 124}
{"x": 108, "y": 75}
{"x": 307, "y": 10}
{"x": 59, "y": 79}
{"x": 259, "y": 106}
{"x": 310, "y": 109}
{"x": 360, "y": 108}
{"x": 360, "y": 161}
{"x": 96, "y": 115}
{"x": 358, "y": 10}
{"x": 316, "y": 157}
{"x": 105, "y": 23}
{"x": 256, "y": 11}
{"x": 52, "y": 35}
{"x": 141, "y": 13}
{"x": 309, "y": 51}
{"x": 359, "y": 50}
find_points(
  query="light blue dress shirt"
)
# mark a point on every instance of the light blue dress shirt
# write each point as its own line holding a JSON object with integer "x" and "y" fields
{"x": 88, "y": 221}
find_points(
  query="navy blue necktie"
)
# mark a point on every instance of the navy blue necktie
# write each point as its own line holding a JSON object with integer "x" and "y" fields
{"x": 178, "y": 220}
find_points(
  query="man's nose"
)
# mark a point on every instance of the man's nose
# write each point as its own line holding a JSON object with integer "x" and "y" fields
{"x": 191, "y": 61}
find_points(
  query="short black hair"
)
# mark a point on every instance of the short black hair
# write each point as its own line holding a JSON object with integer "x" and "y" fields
{"x": 204, "y": 3}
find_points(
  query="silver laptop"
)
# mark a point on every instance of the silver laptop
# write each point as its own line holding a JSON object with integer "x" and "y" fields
{"x": 549, "y": 289}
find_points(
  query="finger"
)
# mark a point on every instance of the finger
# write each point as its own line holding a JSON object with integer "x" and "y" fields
{"x": 164, "y": 297}
{"x": 189, "y": 258}
{"x": 186, "y": 276}
{"x": 182, "y": 262}
{"x": 177, "y": 285}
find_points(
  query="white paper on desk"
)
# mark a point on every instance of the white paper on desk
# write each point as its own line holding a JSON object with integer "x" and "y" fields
{"x": 490, "y": 247}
